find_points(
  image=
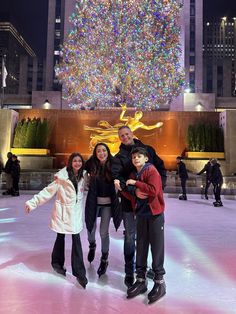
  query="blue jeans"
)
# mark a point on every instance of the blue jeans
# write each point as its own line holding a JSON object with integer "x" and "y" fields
{"x": 129, "y": 242}
{"x": 105, "y": 213}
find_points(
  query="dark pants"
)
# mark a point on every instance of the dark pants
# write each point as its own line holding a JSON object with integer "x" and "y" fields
{"x": 183, "y": 185}
{"x": 208, "y": 183}
{"x": 129, "y": 242}
{"x": 150, "y": 231}
{"x": 217, "y": 190}
{"x": 58, "y": 254}
{"x": 15, "y": 183}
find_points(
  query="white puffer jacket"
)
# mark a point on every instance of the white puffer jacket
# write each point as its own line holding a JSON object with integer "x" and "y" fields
{"x": 67, "y": 213}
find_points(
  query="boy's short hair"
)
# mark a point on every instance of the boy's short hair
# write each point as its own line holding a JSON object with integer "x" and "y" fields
{"x": 139, "y": 150}
{"x": 179, "y": 158}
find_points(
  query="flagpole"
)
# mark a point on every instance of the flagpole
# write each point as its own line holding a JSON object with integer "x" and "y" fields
{"x": 2, "y": 97}
{"x": 3, "y": 80}
{"x": 2, "y": 89}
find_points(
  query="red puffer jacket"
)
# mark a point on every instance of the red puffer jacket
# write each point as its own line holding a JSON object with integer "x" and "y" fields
{"x": 151, "y": 185}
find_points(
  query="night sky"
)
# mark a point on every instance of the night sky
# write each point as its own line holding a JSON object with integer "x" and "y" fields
{"x": 31, "y": 17}
{"x": 219, "y": 8}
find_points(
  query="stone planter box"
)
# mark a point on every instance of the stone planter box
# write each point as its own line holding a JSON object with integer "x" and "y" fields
{"x": 205, "y": 155}
{"x": 30, "y": 151}
{"x": 34, "y": 158}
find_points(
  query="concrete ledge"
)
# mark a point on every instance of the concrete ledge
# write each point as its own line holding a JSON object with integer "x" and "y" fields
{"x": 36, "y": 162}
{"x": 205, "y": 155}
{"x": 30, "y": 151}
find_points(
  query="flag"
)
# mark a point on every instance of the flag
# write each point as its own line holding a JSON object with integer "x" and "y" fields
{"x": 4, "y": 73}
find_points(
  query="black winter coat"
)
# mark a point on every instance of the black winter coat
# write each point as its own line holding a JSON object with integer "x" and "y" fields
{"x": 216, "y": 175}
{"x": 122, "y": 166}
{"x": 15, "y": 169}
{"x": 182, "y": 171}
{"x": 91, "y": 206}
{"x": 8, "y": 166}
{"x": 91, "y": 201}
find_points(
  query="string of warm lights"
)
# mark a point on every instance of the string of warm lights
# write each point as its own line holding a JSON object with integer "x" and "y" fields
{"x": 122, "y": 51}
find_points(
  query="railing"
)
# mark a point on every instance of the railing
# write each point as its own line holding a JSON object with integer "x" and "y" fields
{"x": 37, "y": 180}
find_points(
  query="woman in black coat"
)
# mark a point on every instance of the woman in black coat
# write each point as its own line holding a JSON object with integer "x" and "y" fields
{"x": 102, "y": 201}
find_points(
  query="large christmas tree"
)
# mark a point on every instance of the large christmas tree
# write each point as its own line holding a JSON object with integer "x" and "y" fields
{"x": 122, "y": 51}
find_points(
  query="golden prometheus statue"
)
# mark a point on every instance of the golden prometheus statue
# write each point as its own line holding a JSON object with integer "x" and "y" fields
{"x": 108, "y": 134}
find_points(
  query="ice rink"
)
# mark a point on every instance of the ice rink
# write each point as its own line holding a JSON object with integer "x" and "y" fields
{"x": 200, "y": 263}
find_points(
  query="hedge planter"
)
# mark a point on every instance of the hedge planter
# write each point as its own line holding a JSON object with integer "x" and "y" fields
{"x": 205, "y": 155}
{"x": 30, "y": 151}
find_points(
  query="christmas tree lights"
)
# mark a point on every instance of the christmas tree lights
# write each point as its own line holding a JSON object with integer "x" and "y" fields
{"x": 122, "y": 51}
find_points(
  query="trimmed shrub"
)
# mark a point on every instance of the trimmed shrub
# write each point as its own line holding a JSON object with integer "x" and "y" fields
{"x": 31, "y": 133}
{"x": 205, "y": 138}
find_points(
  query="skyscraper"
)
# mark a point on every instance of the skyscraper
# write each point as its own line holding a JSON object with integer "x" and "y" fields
{"x": 193, "y": 39}
{"x": 59, "y": 12}
{"x": 219, "y": 57}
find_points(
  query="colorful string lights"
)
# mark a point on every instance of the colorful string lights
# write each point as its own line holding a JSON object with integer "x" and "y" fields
{"x": 122, "y": 51}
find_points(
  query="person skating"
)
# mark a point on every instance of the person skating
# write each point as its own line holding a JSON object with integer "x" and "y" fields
{"x": 121, "y": 169}
{"x": 144, "y": 190}
{"x": 102, "y": 201}
{"x": 183, "y": 175}
{"x": 15, "y": 173}
{"x": 207, "y": 168}
{"x": 68, "y": 186}
{"x": 8, "y": 175}
{"x": 217, "y": 181}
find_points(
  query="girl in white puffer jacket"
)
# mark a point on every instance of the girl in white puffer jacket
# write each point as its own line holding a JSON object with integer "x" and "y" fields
{"x": 67, "y": 214}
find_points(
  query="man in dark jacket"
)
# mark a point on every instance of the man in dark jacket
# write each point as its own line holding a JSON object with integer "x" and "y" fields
{"x": 15, "y": 173}
{"x": 183, "y": 175}
{"x": 217, "y": 181}
{"x": 8, "y": 175}
{"x": 207, "y": 168}
{"x": 122, "y": 167}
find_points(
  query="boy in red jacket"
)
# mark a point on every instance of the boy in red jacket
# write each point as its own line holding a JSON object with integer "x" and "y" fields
{"x": 144, "y": 190}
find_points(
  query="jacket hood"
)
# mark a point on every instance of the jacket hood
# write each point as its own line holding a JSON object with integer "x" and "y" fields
{"x": 147, "y": 164}
{"x": 62, "y": 174}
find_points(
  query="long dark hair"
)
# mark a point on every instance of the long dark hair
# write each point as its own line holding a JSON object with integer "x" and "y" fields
{"x": 74, "y": 179}
{"x": 101, "y": 170}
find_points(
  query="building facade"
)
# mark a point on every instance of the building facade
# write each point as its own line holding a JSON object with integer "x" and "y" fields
{"x": 219, "y": 57}
{"x": 59, "y": 12}
{"x": 24, "y": 69}
{"x": 193, "y": 38}
{"x": 16, "y": 50}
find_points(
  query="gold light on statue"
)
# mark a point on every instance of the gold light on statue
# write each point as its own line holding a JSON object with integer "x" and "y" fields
{"x": 108, "y": 134}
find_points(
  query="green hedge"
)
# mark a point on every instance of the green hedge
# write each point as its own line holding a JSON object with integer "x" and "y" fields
{"x": 31, "y": 133}
{"x": 205, "y": 138}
